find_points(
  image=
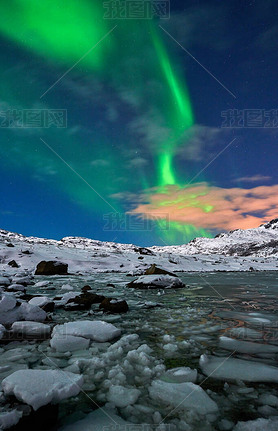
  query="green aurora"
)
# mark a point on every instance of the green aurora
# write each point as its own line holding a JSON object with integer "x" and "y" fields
{"x": 120, "y": 60}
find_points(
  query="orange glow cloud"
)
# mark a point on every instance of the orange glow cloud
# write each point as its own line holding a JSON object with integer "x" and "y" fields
{"x": 213, "y": 207}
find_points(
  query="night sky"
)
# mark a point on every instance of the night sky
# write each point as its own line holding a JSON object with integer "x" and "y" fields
{"x": 150, "y": 130}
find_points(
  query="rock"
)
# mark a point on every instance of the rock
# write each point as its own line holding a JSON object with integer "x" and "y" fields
{"x": 85, "y": 301}
{"x": 156, "y": 282}
{"x": 144, "y": 250}
{"x": 13, "y": 264}
{"x": 52, "y": 267}
{"x": 111, "y": 285}
{"x": 114, "y": 306}
{"x": 40, "y": 387}
{"x": 86, "y": 288}
{"x": 9, "y": 244}
{"x": 153, "y": 269}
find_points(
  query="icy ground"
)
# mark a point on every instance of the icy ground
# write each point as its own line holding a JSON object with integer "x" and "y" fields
{"x": 199, "y": 358}
{"x": 240, "y": 250}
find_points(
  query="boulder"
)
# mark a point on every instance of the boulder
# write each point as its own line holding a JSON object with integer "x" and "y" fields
{"x": 114, "y": 306}
{"x": 144, "y": 250}
{"x": 85, "y": 301}
{"x": 153, "y": 269}
{"x": 52, "y": 267}
{"x": 86, "y": 288}
{"x": 13, "y": 264}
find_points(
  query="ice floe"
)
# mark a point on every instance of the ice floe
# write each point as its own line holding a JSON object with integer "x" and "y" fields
{"x": 40, "y": 387}
{"x": 183, "y": 396}
{"x": 96, "y": 330}
{"x": 237, "y": 369}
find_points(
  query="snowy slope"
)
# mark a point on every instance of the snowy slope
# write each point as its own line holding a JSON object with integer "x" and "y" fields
{"x": 260, "y": 242}
{"x": 239, "y": 250}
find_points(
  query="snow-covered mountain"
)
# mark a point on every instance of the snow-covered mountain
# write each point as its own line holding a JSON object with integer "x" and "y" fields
{"x": 261, "y": 242}
{"x": 238, "y": 250}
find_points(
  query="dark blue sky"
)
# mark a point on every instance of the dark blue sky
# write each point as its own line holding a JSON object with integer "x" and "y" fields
{"x": 64, "y": 181}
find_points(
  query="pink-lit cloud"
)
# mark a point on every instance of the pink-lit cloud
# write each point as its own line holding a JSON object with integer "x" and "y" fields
{"x": 210, "y": 207}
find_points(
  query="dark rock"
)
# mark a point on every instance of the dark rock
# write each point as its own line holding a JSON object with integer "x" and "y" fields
{"x": 153, "y": 269}
{"x": 144, "y": 250}
{"x": 10, "y": 244}
{"x": 84, "y": 301}
{"x": 111, "y": 285}
{"x": 114, "y": 307}
{"x": 27, "y": 252}
{"x": 52, "y": 267}
{"x": 13, "y": 264}
{"x": 86, "y": 288}
{"x": 49, "y": 307}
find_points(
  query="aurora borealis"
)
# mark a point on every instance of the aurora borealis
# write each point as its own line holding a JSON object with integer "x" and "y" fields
{"x": 143, "y": 119}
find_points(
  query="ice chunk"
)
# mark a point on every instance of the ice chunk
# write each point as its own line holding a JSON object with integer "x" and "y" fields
{"x": 97, "y": 421}
{"x": 65, "y": 343}
{"x": 121, "y": 396}
{"x": 4, "y": 281}
{"x": 9, "y": 419}
{"x": 245, "y": 346}
{"x": 31, "y": 328}
{"x": 180, "y": 375}
{"x": 40, "y": 301}
{"x": 40, "y": 387}
{"x": 183, "y": 395}
{"x": 42, "y": 284}
{"x": 16, "y": 287}
{"x": 269, "y": 400}
{"x": 2, "y": 331}
{"x": 237, "y": 369}
{"x": 32, "y": 312}
{"x": 156, "y": 281}
{"x": 96, "y": 330}
{"x": 7, "y": 302}
{"x": 258, "y": 425}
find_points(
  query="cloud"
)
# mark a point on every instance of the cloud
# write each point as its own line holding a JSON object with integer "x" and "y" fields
{"x": 253, "y": 179}
{"x": 212, "y": 208}
{"x": 198, "y": 142}
{"x": 100, "y": 163}
{"x": 202, "y": 25}
{"x": 138, "y": 162}
{"x": 268, "y": 40}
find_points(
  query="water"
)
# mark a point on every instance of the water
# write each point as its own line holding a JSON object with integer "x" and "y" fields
{"x": 181, "y": 325}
